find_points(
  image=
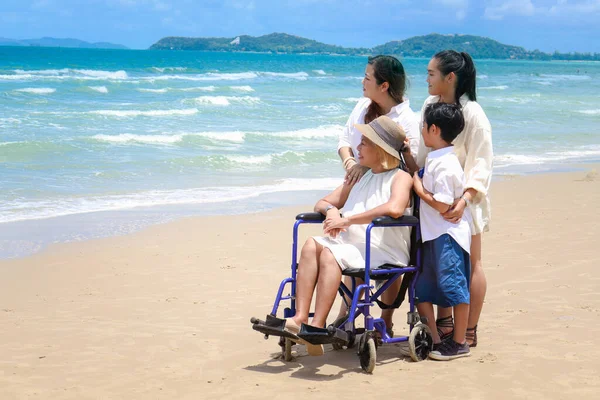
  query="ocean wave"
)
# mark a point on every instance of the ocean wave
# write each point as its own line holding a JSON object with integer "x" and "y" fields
{"x": 319, "y": 72}
{"x": 163, "y": 69}
{"x": 66, "y": 73}
{"x": 225, "y": 100}
{"x": 329, "y": 131}
{"x": 293, "y": 75}
{"x": 482, "y": 76}
{"x": 505, "y": 160}
{"x": 29, "y": 210}
{"x": 145, "y": 113}
{"x": 199, "y": 88}
{"x": 210, "y": 76}
{"x": 353, "y": 99}
{"x": 36, "y": 90}
{"x": 501, "y": 87}
{"x": 242, "y": 88}
{"x": 163, "y": 90}
{"x": 590, "y": 112}
{"x": 133, "y": 138}
{"x": 99, "y": 89}
{"x": 564, "y": 77}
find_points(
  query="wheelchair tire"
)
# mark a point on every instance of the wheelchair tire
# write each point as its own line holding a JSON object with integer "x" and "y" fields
{"x": 367, "y": 353}
{"x": 286, "y": 350}
{"x": 420, "y": 342}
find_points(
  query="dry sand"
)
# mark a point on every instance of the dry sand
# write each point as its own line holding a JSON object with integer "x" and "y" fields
{"x": 164, "y": 313}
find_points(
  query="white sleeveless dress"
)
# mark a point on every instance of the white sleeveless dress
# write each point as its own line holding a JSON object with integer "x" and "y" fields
{"x": 388, "y": 245}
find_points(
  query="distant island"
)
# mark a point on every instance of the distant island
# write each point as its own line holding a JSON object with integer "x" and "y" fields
{"x": 55, "y": 42}
{"x": 417, "y": 46}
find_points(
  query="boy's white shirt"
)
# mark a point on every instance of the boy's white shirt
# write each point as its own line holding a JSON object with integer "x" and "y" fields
{"x": 444, "y": 179}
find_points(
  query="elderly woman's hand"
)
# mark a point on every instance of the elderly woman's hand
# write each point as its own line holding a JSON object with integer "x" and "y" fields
{"x": 333, "y": 226}
{"x": 455, "y": 213}
{"x": 354, "y": 174}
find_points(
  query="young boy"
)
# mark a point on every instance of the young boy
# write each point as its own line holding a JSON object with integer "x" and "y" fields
{"x": 446, "y": 245}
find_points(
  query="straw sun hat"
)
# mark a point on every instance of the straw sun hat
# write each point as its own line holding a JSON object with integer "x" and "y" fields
{"x": 385, "y": 133}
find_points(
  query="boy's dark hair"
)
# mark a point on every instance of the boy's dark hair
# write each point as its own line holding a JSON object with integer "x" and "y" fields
{"x": 448, "y": 117}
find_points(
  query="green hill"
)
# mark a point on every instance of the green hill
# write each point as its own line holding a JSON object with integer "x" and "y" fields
{"x": 56, "y": 42}
{"x": 274, "y": 42}
{"x": 417, "y": 46}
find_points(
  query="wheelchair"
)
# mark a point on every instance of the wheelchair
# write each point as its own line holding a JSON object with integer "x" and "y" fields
{"x": 343, "y": 333}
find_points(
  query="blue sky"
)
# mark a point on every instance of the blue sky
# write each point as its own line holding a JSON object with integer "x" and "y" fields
{"x": 548, "y": 25}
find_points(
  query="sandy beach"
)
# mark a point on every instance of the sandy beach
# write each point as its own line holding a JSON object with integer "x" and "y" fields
{"x": 164, "y": 313}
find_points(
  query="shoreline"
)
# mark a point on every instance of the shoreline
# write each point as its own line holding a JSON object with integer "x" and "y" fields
{"x": 25, "y": 238}
{"x": 164, "y": 313}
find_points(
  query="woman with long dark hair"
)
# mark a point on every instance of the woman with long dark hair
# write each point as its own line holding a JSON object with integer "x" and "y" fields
{"x": 384, "y": 91}
{"x": 451, "y": 78}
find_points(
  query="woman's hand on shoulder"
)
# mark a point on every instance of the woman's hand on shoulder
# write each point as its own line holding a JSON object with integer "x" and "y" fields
{"x": 354, "y": 173}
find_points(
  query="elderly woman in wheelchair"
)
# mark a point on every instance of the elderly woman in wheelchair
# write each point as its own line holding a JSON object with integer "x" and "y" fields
{"x": 350, "y": 246}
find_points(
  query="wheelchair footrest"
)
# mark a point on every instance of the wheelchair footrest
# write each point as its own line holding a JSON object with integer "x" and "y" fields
{"x": 272, "y": 326}
{"x": 314, "y": 335}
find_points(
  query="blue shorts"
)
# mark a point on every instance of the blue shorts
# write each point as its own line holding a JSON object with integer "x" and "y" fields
{"x": 446, "y": 273}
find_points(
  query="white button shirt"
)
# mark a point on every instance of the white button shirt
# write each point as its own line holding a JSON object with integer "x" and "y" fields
{"x": 473, "y": 147}
{"x": 443, "y": 178}
{"x": 401, "y": 114}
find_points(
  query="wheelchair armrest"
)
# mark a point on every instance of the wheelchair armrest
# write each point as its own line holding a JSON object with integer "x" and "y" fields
{"x": 311, "y": 216}
{"x": 405, "y": 220}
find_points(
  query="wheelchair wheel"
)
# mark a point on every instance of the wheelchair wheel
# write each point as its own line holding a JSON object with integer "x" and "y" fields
{"x": 420, "y": 342}
{"x": 367, "y": 352}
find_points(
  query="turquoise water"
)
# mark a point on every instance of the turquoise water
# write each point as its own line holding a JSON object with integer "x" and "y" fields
{"x": 99, "y": 142}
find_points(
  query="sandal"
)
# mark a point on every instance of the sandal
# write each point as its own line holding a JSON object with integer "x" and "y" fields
{"x": 471, "y": 336}
{"x": 446, "y": 322}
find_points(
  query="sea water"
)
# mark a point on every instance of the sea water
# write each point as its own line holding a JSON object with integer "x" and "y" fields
{"x": 104, "y": 142}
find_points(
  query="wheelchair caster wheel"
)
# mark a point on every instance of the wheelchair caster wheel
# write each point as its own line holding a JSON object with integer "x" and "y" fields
{"x": 367, "y": 352}
{"x": 420, "y": 342}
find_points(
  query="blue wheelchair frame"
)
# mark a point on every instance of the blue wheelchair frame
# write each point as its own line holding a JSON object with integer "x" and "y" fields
{"x": 357, "y": 307}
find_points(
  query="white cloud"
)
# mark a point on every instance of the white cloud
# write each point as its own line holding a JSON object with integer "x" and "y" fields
{"x": 499, "y": 9}
{"x": 460, "y": 6}
{"x": 575, "y": 7}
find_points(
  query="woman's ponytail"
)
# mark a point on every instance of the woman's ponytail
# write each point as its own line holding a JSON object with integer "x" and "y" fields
{"x": 463, "y": 67}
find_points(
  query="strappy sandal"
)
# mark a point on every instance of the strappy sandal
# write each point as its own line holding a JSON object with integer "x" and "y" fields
{"x": 446, "y": 322}
{"x": 471, "y": 336}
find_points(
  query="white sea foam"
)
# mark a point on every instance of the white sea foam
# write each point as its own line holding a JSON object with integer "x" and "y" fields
{"x": 564, "y": 77}
{"x": 74, "y": 73}
{"x": 20, "y": 210}
{"x": 353, "y": 99}
{"x": 501, "y": 87}
{"x": 132, "y": 138}
{"x": 36, "y": 90}
{"x": 302, "y": 76}
{"x": 163, "y": 69}
{"x": 505, "y": 160}
{"x": 146, "y": 113}
{"x": 225, "y": 100}
{"x": 319, "y": 72}
{"x": 242, "y": 88}
{"x": 210, "y": 76}
{"x": 590, "y": 112}
{"x": 99, "y": 89}
{"x": 482, "y": 76}
{"x": 199, "y": 88}
{"x": 163, "y": 90}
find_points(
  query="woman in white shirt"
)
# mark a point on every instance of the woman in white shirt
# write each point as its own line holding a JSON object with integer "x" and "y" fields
{"x": 451, "y": 78}
{"x": 384, "y": 87}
